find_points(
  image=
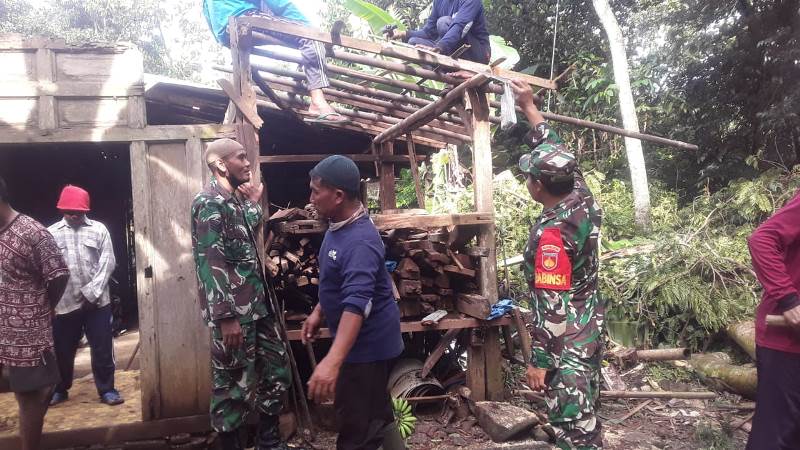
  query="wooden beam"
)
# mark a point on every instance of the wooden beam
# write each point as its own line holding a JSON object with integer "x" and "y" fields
{"x": 494, "y": 364}
{"x": 606, "y": 128}
{"x": 413, "y": 121}
{"x": 412, "y": 157}
{"x": 311, "y": 158}
{"x": 423, "y": 221}
{"x": 266, "y": 90}
{"x": 150, "y": 133}
{"x": 116, "y": 434}
{"x": 386, "y": 49}
{"x": 247, "y": 111}
{"x": 483, "y": 186}
{"x": 438, "y": 351}
{"x": 388, "y": 196}
{"x": 452, "y": 321}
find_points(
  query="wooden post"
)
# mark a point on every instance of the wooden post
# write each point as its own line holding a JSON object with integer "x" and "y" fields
{"x": 388, "y": 196}
{"x": 489, "y": 355}
{"x": 412, "y": 159}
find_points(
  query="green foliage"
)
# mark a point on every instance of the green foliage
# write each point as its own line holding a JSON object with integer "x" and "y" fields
{"x": 688, "y": 281}
{"x": 145, "y": 23}
{"x": 376, "y": 17}
{"x": 661, "y": 371}
{"x": 710, "y": 436}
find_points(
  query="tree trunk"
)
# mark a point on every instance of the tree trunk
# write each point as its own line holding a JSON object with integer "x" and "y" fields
{"x": 633, "y": 147}
{"x": 716, "y": 369}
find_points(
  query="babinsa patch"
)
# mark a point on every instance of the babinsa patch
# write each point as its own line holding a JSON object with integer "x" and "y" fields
{"x": 553, "y": 267}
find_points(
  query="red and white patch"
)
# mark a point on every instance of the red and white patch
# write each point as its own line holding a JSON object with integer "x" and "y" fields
{"x": 553, "y": 267}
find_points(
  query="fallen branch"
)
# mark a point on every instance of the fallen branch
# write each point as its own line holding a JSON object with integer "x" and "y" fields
{"x": 687, "y": 395}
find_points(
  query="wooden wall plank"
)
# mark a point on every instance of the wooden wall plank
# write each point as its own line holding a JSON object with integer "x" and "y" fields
{"x": 148, "y": 352}
{"x": 151, "y": 133}
{"x": 75, "y": 112}
{"x": 198, "y": 174}
{"x": 177, "y": 310}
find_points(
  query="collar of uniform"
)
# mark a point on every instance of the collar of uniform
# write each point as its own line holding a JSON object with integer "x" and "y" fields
{"x": 216, "y": 187}
{"x": 568, "y": 201}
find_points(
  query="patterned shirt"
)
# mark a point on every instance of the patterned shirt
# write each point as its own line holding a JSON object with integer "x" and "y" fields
{"x": 29, "y": 260}
{"x": 561, "y": 265}
{"x": 90, "y": 258}
{"x": 230, "y": 280}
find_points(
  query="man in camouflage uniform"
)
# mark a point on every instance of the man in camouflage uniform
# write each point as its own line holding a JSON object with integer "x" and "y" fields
{"x": 561, "y": 263}
{"x": 249, "y": 360}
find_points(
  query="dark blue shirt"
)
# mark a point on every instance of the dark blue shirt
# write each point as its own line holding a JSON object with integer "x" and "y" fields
{"x": 469, "y": 25}
{"x": 353, "y": 277}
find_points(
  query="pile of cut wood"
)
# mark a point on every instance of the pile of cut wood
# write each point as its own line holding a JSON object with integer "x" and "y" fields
{"x": 291, "y": 251}
{"x": 429, "y": 274}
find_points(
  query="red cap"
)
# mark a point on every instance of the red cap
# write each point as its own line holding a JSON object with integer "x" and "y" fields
{"x": 73, "y": 198}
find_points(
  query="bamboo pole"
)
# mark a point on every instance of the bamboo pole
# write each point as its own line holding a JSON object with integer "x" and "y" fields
{"x": 447, "y": 136}
{"x": 290, "y": 82}
{"x": 362, "y": 102}
{"x": 352, "y": 87}
{"x": 333, "y": 68}
{"x": 411, "y": 122}
{"x": 663, "y": 354}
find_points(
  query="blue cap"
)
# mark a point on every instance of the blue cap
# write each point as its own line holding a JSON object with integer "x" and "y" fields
{"x": 340, "y": 172}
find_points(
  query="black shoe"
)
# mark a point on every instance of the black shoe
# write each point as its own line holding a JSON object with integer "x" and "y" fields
{"x": 269, "y": 437}
{"x": 230, "y": 441}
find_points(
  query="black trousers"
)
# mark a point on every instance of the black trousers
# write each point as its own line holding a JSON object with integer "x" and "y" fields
{"x": 67, "y": 331}
{"x": 363, "y": 407}
{"x": 776, "y": 425}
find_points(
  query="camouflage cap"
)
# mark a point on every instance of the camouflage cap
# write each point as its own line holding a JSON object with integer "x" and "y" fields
{"x": 553, "y": 161}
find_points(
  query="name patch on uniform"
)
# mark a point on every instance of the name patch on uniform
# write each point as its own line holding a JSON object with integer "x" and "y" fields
{"x": 553, "y": 267}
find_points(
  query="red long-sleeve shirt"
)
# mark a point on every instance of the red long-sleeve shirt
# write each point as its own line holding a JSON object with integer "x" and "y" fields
{"x": 775, "y": 250}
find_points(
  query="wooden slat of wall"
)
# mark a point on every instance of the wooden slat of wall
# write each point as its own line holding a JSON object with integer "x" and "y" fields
{"x": 197, "y": 174}
{"x": 148, "y": 352}
{"x": 177, "y": 314}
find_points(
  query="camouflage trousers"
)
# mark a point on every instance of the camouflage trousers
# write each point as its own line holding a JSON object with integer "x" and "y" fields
{"x": 571, "y": 396}
{"x": 252, "y": 378}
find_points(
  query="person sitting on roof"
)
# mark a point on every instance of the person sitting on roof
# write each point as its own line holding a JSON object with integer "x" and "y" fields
{"x": 218, "y": 12}
{"x": 452, "y": 23}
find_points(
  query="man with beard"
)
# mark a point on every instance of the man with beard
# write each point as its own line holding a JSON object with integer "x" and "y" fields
{"x": 249, "y": 360}
{"x": 33, "y": 276}
{"x": 357, "y": 304}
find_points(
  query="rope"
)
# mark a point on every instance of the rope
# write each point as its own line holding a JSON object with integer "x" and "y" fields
{"x": 553, "y": 57}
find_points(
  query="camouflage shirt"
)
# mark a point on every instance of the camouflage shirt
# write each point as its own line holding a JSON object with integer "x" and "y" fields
{"x": 561, "y": 264}
{"x": 230, "y": 280}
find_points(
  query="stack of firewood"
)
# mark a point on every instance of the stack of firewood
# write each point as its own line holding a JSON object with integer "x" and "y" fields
{"x": 292, "y": 257}
{"x": 429, "y": 275}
